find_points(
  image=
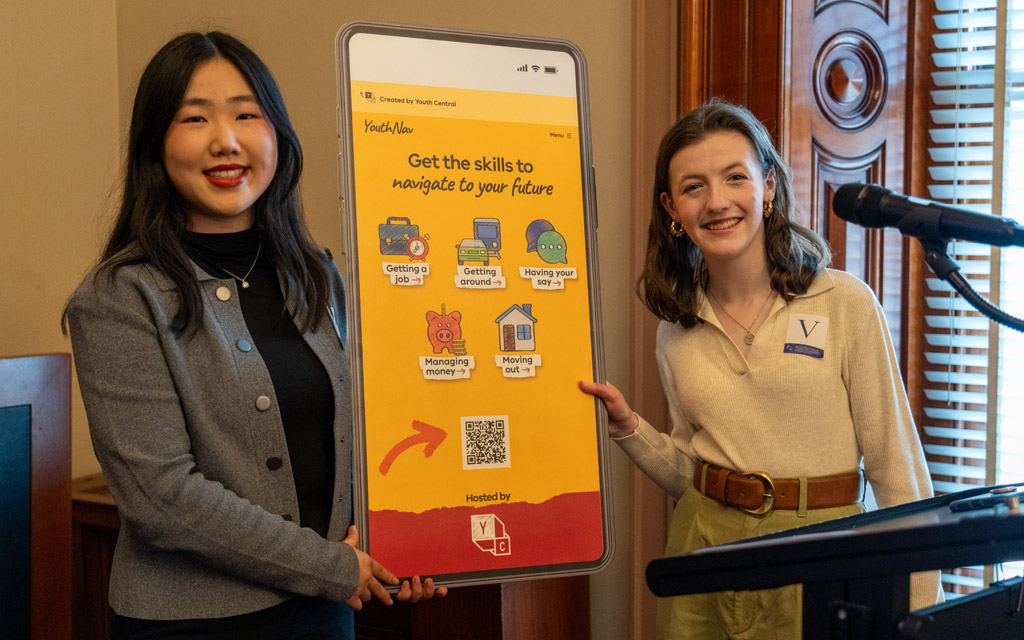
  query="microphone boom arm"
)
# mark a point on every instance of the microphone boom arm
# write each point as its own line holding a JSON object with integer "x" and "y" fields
{"x": 948, "y": 270}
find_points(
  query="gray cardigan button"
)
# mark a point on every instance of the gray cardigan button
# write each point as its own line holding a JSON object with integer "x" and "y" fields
{"x": 244, "y": 345}
{"x": 263, "y": 403}
{"x": 274, "y": 463}
{"x": 223, "y": 294}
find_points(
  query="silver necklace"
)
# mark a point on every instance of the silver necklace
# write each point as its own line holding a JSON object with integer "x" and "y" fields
{"x": 244, "y": 279}
{"x": 749, "y": 338}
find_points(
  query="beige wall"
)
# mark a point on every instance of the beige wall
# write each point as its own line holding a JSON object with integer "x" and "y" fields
{"x": 67, "y": 74}
{"x": 59, "y": 151}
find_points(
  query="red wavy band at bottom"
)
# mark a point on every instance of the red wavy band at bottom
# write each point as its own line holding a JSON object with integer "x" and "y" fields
{"x": 565, "y": 529}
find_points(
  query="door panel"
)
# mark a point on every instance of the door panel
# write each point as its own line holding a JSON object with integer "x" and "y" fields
{"x": 733, "y": 52}
{"x": 845, "y": 107}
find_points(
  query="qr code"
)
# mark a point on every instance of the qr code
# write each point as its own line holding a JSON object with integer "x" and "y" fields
{"x": 485, "y": 442}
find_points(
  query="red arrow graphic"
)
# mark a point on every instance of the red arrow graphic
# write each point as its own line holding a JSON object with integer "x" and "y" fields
{"x": 416, "y": 279}
{"x": 428, "y": 434}
{"x": 526, "y": 369}
{"x": 558, "y": 282}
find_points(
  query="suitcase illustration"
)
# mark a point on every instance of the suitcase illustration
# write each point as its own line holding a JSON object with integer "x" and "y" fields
{"x": 394, "y": 234}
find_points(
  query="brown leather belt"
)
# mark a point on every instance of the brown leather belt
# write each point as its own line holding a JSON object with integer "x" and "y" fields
{"x": 757, "y": 493}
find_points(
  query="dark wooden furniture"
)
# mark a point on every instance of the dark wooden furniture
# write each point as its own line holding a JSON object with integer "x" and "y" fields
{"x": 35, "y": 508}
{"x": 94, "y": 533}
{"x": 553, "y": 608}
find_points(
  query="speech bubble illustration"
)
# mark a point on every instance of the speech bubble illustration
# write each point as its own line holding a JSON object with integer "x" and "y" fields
{"x": 551, "y": 247}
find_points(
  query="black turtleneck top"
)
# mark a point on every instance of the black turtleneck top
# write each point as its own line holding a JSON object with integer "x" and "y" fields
{"x": 301, "y": 384}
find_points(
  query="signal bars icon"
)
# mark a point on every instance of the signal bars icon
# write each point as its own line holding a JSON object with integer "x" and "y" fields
{"x": 535, "y": 68}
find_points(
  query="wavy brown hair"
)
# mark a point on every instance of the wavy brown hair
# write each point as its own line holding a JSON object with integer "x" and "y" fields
{"x": 673, "y": 268}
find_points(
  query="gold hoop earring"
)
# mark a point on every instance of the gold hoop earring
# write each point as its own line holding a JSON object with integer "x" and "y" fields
{"x": 767, "y": 209}
{"x": 676, "y": 229}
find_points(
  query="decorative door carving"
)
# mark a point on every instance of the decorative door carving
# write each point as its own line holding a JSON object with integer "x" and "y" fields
{"x": 845, "y": 122}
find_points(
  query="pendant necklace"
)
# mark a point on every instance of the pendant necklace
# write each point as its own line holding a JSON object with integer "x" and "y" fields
{"x": 749, "y": 338}
{"x": 244, "y": 279}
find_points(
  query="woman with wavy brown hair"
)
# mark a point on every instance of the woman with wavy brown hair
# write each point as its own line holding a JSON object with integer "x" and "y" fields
{"x": 782, "y": 383}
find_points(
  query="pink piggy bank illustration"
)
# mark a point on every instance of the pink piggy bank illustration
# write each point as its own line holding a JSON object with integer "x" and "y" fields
{"x": 442, "y": 328}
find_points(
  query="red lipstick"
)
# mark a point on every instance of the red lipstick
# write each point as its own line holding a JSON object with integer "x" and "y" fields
{"x": 226, "y": 176}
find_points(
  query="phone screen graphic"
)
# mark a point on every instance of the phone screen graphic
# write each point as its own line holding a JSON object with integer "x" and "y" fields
{"x": 473, "y": 303}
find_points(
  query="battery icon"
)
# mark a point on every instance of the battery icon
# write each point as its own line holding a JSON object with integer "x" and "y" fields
{"x": 551, "y": 70}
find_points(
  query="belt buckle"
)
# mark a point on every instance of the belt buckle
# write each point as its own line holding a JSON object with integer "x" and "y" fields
{"x": 768, "y": 495}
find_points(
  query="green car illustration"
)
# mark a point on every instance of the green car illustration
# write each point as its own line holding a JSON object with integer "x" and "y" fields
{"x": 472, "y": 250}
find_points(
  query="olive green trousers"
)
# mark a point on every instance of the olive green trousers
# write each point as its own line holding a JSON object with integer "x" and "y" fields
{"x": 770, "y": 614}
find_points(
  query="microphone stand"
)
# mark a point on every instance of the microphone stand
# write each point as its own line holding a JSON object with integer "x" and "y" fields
{"x": 925, "y": 227}
{"x": 944, "y": 267}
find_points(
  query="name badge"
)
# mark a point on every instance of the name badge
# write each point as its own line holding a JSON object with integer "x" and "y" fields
{"x": 806, "y": 335}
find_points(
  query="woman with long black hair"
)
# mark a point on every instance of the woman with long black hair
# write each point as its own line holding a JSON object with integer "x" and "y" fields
{"x": 210, "y": 348}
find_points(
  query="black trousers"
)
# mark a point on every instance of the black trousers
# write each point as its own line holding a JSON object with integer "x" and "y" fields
{"x": 301, "y": 618}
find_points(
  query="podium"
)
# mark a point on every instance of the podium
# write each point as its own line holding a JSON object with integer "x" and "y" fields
{"x": 855, "y": 570}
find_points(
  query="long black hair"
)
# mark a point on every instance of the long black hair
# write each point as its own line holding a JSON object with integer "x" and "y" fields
{"x": 673, "y": 268}
{"x": 153, "y": 214}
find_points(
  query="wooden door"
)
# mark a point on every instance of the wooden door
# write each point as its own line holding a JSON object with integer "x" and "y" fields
{"x": 733, "y": 51}
{"x": 844, "y": 104}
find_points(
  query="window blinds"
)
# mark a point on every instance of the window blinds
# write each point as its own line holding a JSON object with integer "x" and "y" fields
{"x": 961, "y": 152}
{"x": 974, "y": 390}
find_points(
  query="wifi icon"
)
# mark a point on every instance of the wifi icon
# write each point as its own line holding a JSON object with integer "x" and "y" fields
{"x": 535, "y": 68}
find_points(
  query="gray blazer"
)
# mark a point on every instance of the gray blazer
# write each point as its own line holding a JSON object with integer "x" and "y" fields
{"x": 193, "y": 449}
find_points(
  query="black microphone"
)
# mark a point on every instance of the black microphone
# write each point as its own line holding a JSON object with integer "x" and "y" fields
{"x": 870, "y": 205}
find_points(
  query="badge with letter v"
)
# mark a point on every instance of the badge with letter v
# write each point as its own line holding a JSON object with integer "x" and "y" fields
{"x": 806, "y": 335}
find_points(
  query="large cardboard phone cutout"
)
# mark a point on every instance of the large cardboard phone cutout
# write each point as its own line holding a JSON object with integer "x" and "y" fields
{"x": 472, "y": 303}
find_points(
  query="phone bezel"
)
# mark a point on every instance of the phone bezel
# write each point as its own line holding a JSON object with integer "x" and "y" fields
{"x": 348, "y": 197}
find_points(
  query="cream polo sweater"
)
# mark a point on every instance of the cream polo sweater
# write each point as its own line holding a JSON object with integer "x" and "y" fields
{"x": 819, "y": 393}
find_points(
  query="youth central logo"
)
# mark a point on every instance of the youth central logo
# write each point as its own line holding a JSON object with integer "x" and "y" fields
{"x": 489, "y": 534}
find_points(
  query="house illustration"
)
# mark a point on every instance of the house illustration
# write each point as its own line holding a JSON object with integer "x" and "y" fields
{"x": 515, "y": 329}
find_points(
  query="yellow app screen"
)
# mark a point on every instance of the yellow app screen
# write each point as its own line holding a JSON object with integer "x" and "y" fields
{"x": 472, "y": 307}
